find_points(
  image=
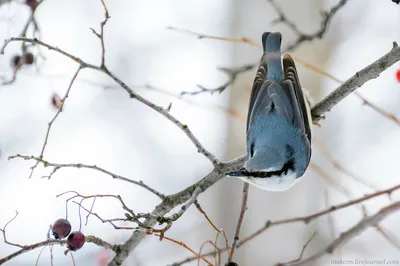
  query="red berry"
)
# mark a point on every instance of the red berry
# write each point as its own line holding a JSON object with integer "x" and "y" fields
{"x": 398, "y": 75}
{"x": 31, "y": 3}
{"x": 15, "y": 61}
{"x": 56, "y": 101}
{"x": 29, "y": 58}
{"x": 61, "y": 228}
{"x": 75, "y": 240}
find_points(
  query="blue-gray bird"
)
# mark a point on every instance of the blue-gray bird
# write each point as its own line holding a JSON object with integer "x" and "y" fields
{"x": 278, "y": 122}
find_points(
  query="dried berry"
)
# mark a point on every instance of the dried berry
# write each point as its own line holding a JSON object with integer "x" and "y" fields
{"x": 31, "y": 3}
{"x": 75, "y": 240}
{"x": 56, "y": 101}
{"x": 398, "y": 75}
{"x": 15, "y": 61}
{"x": 29, "y": 58}
{"x": 61, "y": 228}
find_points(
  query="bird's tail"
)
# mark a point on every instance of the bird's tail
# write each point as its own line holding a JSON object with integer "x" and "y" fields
{"x": 271, "y": 42}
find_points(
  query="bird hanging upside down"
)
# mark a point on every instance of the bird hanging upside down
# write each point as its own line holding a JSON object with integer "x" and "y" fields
{"x": 278, "y": 122}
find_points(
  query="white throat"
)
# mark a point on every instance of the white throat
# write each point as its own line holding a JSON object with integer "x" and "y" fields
{"x": 273, "y": 183}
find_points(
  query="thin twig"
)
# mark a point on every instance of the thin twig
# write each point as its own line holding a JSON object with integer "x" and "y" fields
{"x": 219, "y": 231}
{"x": 345, "y": 237}
{"x": 89, "y": 239}
{"x": 180, "y": 243}
{"x": 132, "y": 94}
{"x": 38, "y": 257}
{"x": 186, "y": 206}
{"x": 55, "y": 117}
{"x": 302, "y": 251}
{"x": 232, "y": 74}
{"x": 308, "y": 218}
{"x": 240, "y": 221}
{"x": 72, "y": 259}
{"x": 4, "y": 232}
{"x": 101, "y": 35}
{"x": 301, "y": 36}
{"x": 30, "y": 21}
{"x": 94, "y": 167}
{"x": 217, "y": 253}
{"x": 245, "y": 68}
{"x": 204, "y": 36}
{"x": 90, "y": 211}
{"x": 305, "y": 219}
{"x": 132, "y": 214}
{"x": 330, "y": 216}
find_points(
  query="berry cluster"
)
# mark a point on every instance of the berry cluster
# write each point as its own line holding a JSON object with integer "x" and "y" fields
{"x": 62, "y": 228}
{"x": 18, "y": 60}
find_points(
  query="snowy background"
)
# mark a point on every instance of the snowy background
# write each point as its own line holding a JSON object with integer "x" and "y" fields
{"x": 101, "y": 125}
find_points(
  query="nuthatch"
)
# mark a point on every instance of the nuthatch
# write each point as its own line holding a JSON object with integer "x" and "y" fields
{"x": 278, "y": 122}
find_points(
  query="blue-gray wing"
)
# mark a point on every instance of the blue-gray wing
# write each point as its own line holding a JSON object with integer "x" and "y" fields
{"x": 270, "y": 97}
{"x": 259, "y": 80}
{"x": 285, "y": 98}
{"x": 292, "y": 87}
{"x": 267, "y": 95}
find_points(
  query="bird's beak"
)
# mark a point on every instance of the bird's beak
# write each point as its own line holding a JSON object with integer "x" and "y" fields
{"x": 241, "y": 172}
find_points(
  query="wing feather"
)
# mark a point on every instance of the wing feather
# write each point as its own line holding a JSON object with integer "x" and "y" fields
{"x": 301, "y": 117}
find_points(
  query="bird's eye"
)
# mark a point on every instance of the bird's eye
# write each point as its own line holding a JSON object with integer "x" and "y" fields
{"x": 251, "y": 149}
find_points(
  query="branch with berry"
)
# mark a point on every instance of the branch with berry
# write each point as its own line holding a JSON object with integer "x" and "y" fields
{"x": 184, "y": 199}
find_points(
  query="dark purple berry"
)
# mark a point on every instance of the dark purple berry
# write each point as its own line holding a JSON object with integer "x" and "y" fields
{"x": 31, "y": 3}
{"x": 75, "y": 240}
{"x": 29, "y": 58}
{"x": 15, "y": 61}
{"x": 61, "y": 228}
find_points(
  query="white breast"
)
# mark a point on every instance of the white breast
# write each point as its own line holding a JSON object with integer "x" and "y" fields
{"x": 273, "y": 183}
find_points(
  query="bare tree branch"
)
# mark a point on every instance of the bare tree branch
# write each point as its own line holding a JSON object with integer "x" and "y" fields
{"x": 301, "y": 38}
{"x": 58, "y": 166}
{"x": 240, "y": 221}
{"x": 305, "y": 219}
{"x": 303, "y": 249}
{"x": 309, "y": 218}
{"x": 345, "y": 237}
{"x": 30, "y": 21}
{"x": 101, "y": 35}
{"x": 304, "y": 37}
{"x": 171, "y": 202}
{"x": 370, "y": 72}
{"x": 55, "y": 117}
{"x": 232, "y": 75}
{"x": 89, "y": 239}
{"x": 131, "y": 93}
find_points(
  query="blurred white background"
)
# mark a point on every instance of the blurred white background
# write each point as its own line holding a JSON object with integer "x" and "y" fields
{"x": 101, "y": 125}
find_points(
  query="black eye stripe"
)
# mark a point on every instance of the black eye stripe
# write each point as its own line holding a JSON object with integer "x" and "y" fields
{"x": 289, "y": 165}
